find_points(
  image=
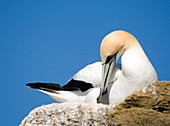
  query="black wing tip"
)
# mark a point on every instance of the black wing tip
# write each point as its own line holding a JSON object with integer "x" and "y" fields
{"x": 33, "y": 85}
{"x": 43, "y": 86}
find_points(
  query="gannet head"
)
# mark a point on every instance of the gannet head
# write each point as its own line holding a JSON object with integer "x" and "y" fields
{"x": 112, "y": 47}
{"x": 116, "y": 43}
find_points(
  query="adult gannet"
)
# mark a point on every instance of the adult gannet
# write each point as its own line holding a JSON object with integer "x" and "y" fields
{"x": 136, "y": 70}
{"x": 84, "y": 86}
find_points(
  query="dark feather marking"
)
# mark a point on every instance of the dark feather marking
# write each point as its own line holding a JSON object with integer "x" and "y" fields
{"x": 72, "y": 85}
{"x": 51, "y": 87}
{"x": 49, "y": 90}
{"x": 39, "y": 85}
{"x": 83, "y": 86}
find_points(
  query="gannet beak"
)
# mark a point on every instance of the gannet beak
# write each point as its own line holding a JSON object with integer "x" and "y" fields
{"x": 107, "y": 68}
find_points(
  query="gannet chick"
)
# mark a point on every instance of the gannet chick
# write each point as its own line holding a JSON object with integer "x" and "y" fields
{"x": 136, "y": 70}
{"x": 84, "y": 86}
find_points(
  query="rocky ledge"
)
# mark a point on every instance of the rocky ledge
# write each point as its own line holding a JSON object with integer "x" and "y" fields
{"x": 149, "y": 106}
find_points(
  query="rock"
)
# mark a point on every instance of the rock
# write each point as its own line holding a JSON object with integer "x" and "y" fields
{"x": 149, "y": 106}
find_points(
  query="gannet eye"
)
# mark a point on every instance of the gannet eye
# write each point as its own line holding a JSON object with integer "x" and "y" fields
{"x": 110, "y": 57}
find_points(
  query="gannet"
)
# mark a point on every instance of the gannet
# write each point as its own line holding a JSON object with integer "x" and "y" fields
{"x": 84, "y": 86}
{"x": 136, "y": 70}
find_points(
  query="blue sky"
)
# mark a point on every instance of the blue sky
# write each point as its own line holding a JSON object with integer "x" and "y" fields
{"x": 50, "y": 40}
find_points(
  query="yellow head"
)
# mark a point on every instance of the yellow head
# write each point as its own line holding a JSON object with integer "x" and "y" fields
{"x": 117, "y": 41}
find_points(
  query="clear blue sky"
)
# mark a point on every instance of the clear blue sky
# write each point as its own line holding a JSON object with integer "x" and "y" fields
{"x": 50, "y": 40}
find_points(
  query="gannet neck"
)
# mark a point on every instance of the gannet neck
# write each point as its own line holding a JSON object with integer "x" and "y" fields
{"x": 136, "y": 73}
